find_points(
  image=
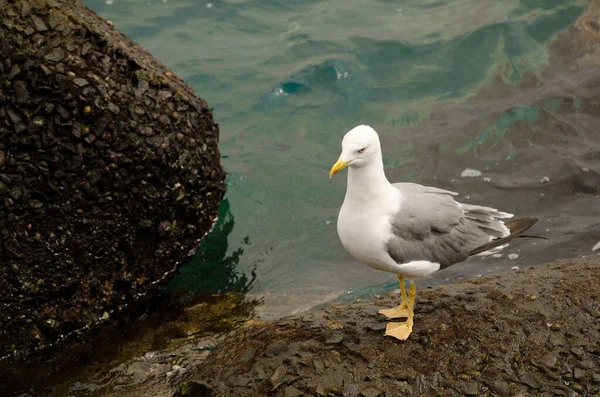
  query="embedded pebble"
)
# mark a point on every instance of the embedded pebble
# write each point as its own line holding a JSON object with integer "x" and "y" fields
{"x": 549, "y": 359}
{"x": 319, "y": 366}
{"x": 21, "y": 92}
{"x": 371, "y": 392}
{"x": 586, "y": 364}
{"x": 578, "y": 373}
{"x": 278, "y": 374}
{"x": 351, "y": 391}
{"x": 248, "y": 355}
{"x": 378, "y": 327}
{"x": 239, "y": 382}
{"x": 79, "y": 82}
{"x": 372, "y": 310}
{"x": 40, "y": 26}
{"x": 14, "y": 70}
{"x": 276, "y": 348}
{"x": 56, "y": 55}
{"x": 292, "y": 392}
{"x": 501, "y": 388}
{"x": 470, "y": 173}
{"x": 513, "y": 256}
{"x": 578, "y": 351}
{"x": 260, "y": 372}
{"x": 87, "y": 388}
{"x": 335, "y": 339}
{"x": 529, "y": 379}
{"x": 470, "y": 389}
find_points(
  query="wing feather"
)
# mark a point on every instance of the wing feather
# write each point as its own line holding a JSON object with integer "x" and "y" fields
{"x": 432, "y": 226}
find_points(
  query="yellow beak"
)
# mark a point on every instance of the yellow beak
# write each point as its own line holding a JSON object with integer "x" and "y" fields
{"x": 338, "y": 166}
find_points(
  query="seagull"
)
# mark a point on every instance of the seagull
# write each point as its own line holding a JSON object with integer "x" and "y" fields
{"x": 409, "y": 229}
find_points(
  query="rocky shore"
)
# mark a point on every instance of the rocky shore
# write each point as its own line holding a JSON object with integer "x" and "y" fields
{"x": 531, "y": 332}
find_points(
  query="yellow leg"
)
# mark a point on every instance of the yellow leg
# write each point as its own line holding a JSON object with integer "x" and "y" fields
{"x": 402, "y": 310}
{"x": 403, "y": 330}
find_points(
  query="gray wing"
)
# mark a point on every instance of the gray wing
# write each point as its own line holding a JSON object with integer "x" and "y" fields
{"x": 432, "y": 226}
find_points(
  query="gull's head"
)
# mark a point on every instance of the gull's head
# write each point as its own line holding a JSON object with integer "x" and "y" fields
{"x": 360, "y": 146}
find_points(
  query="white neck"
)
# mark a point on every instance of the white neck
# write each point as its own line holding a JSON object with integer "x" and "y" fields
{"x": 367, "y": 183}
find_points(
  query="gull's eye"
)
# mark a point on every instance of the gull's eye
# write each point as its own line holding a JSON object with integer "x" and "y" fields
{"x": 361, "y": 150}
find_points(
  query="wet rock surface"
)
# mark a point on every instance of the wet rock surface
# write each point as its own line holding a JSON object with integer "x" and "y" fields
{"x": 167, "y": 368}
{"x": 480, "y": 337}
{"x": 109, "y": 171}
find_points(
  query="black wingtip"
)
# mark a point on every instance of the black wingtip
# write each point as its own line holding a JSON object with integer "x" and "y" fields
{"x": 516, "y": 226}
{"x": 520, "y": 225}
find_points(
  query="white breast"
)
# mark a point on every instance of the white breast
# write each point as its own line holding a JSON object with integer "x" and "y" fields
{"x": 364, "y": 229}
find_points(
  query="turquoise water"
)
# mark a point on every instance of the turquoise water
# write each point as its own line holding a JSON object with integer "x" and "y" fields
{"x": 288, "y": 78}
